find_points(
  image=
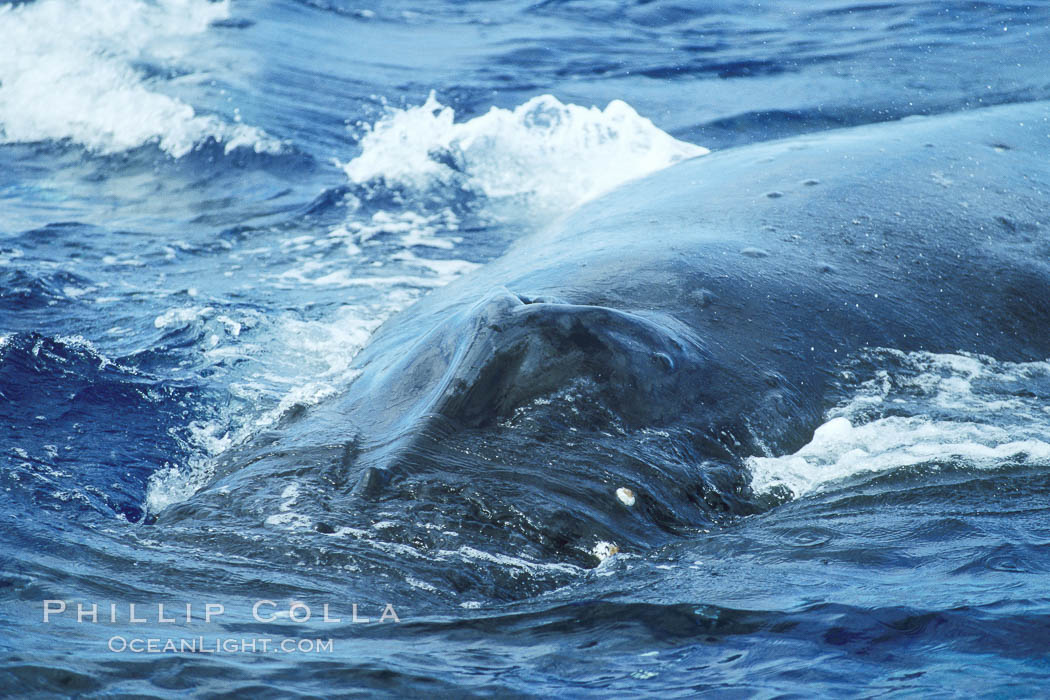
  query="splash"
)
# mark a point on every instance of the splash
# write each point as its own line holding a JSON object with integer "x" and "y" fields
{"x": 68, "y": 72}
{"x": 305, "y": 362}
{"x": 557, "y": 155}
{"x": 922, "y": 409}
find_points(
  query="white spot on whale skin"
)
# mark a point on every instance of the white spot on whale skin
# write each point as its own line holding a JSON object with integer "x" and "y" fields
{"x": 626, "y": 496}
{"x": 755, "y": 252}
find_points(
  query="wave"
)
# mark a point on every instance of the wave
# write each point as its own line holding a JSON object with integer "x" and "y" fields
{"x": 82, "y": 432}
{"x": 77, "y": 70}
{"x": 909, "y": 410}
{"x": 557, "y": 155}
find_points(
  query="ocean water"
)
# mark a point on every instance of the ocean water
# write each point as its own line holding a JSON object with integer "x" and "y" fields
{"x": 206, "y": 209}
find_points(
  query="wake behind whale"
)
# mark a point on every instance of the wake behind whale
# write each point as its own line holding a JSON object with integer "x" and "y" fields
{"x": 652, "y": 341}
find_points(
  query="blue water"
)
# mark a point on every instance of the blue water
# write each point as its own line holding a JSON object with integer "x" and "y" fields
{"x": 206, "y": 209}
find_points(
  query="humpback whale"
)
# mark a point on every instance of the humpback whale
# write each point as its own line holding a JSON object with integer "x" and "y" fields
{"x": 600, "y": 385}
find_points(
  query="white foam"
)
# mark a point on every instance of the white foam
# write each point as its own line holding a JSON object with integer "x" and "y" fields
{"x": 421, "y": 585}
{"x": 67, "y": 71}
{"x": 290, "y": 521}
{"x": 509, "y": 561}
{"x": 182, "y": 316}
{"x": 557, "y": 154}
{"x": 445, "y": 270}
{"x": 79, "y": 342}
{"x": 6, "y": 256}
{"x": 174, "y": 484}
{"x": 963, "y": 410}
{"x": 310, "y": 363}
{"x": 367, "y": 241}
{"x": 604, "y": 550}
{"x": 413, "y": 229}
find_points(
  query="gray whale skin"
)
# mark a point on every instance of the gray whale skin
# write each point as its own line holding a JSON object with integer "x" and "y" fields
{"x": 656, "y": 337}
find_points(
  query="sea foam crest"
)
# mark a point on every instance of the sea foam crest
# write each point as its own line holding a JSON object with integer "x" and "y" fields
{"x": 557, "y": 154}
{"x": 68, "y": 71}
{"x": 922, "y": 408}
